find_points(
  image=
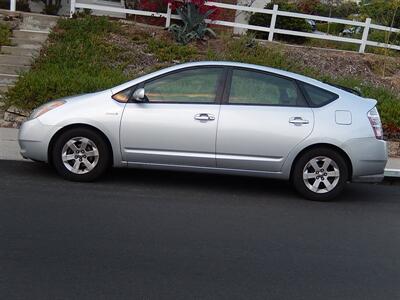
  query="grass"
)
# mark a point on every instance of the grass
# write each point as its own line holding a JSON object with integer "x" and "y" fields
{"x": 76, "y": 60}
{"x": 245, "y": 49}
{"x": 5, "y": 35}
{"x": 79, "y": 59}
{"x": 168, "y": 51}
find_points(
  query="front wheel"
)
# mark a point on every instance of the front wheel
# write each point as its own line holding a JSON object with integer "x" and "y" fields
{"x": 320, "y": 174}
{"x": 81, "y": 154}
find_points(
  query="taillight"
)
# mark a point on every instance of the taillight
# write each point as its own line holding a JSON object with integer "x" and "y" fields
{"x": 376, "y": 124}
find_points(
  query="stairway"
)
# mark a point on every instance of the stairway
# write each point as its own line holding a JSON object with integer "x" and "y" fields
{"x": 26, "y": 42}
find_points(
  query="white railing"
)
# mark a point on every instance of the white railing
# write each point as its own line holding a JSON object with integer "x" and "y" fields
{"x": 13, "y": 5}
{"x": 274, "y": 12}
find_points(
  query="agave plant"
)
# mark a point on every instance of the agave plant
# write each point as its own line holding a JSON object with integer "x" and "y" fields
{"x": 194, "y": 25}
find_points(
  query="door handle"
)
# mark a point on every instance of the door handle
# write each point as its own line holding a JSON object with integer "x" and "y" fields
{"x": 204, "y": 117}
{"x": 298, "y": 121}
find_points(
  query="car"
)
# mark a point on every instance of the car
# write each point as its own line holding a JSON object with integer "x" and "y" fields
{"x": 312, "y": 24}
{"x": 221, "y": 117}
{"x": 351, "y": 31}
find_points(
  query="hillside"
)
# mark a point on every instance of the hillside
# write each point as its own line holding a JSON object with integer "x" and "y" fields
{"x": 92, "y": 53}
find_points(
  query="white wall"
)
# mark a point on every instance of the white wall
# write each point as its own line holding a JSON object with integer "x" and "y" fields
{"x": 243, "y": 17}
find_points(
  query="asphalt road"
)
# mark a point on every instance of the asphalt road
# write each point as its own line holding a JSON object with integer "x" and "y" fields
{"x": 164, "y": 235}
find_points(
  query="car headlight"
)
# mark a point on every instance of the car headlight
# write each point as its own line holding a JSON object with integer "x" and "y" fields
{"x": 45, "y": 108}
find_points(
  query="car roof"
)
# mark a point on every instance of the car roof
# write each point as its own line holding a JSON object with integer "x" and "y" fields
{"x": 232, "y": 64}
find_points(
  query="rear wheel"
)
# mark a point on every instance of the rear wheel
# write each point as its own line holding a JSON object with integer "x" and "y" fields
{"x": 320, "y": 174}
{"x": 81, "y": 154}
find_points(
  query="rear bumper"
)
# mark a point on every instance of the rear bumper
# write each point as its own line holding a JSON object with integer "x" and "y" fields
{"x": 368, "y": 157}
{"x": 369, "y": 178}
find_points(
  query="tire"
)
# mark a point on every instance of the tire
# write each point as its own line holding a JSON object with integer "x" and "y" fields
{"x": 81, "y": 154}
{"x": 320, "y": 185}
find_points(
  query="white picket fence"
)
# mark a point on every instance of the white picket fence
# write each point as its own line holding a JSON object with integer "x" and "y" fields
{"x": 272, "y": 29}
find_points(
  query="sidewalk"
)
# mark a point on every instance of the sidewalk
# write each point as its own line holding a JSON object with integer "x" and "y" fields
{"x": 9, "y": 150}
{"x": 393, "y": 167}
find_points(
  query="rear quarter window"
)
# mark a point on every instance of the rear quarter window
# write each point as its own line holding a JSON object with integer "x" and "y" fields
{"x": 316, "y": 96}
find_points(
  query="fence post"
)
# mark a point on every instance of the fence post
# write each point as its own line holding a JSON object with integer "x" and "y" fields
{"x": 13, "y": 5}
{"x": 364, "y": 38}
{"x": 168, "y": 19}
{"x": 273, "y": 21}
{"x": 72, "y": 10}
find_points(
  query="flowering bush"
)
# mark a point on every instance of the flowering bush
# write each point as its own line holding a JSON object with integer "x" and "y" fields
{"x": 153, "y": 5}
{"x": 193, "y": 14}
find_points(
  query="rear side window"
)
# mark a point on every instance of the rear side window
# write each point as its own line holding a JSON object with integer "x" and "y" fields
{"x": 317, "y": 96}
{"x": 258, "y": 88}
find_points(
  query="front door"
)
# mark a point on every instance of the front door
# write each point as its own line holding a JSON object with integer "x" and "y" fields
{"x": 265, "y": 116}
{"x": 177, "y": 122}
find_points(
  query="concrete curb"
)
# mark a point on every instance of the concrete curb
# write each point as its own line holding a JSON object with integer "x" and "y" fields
{"x": 9, "y": 150}
{"x": 392, "y": 172}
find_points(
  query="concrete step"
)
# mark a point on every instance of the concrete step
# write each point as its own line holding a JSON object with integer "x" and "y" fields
{"x": 6, "y": 59}
{"x": 38, "y": 22}
{"x": 6, "y": 79}
{"x": 33, "y": 21}
{"x": 12, "y": 69}
{"x": 5, "y": 87}
{"x": 37, "y": 36}
{"x": 106, "y": 3}
{"x": 13, "y": 50}
{"x": 25, "y": 43}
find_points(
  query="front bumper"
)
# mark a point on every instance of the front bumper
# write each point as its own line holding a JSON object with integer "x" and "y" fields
{"x": 34, "y": 138}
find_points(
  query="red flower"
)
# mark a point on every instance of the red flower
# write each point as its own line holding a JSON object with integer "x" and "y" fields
{"x": 203, "y": 9}
{"x": 199, "y": 3}
{"x": 149, "y": 5}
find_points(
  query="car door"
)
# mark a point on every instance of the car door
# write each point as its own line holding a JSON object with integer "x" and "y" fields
{"x": 262, "y": 118}
{"x": 176, "y": 124}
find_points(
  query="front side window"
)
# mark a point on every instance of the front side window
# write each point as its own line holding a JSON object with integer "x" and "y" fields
{"x": 198, "y": 85}
{"x": 257, "y": 88}
{"x": 123, "y": 96}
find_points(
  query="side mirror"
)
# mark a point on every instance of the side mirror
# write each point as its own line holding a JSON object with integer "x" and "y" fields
{"x": 139, "y": 95}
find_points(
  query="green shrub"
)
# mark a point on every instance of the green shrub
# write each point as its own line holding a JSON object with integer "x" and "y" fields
{"x": 288, "y": 23}
{"x": 5, "y": 34}
{"x": 76, "y": 60}
{"x": 384, "y": 37}
{"x": 332, "y": 28}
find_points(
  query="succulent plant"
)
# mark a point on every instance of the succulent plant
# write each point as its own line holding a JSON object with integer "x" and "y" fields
{"x": 194, "y": 25}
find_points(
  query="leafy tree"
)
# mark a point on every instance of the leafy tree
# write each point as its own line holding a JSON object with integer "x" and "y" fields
{"x": 384, "y": 12}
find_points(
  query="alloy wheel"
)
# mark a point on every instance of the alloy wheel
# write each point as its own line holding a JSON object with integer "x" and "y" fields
{"x": 321, "y": 174}
{"x": 80, "y": 155}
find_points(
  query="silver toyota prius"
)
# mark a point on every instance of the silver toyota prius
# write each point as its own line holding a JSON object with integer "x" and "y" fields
{"x": 222, "y": 117}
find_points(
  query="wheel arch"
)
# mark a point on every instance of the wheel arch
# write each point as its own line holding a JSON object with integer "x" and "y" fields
{"x": 73, "y": 126}
{"x": 324, "y": 145}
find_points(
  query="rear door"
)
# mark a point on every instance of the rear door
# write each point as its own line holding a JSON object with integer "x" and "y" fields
{"x": 263, "y": 117}
{"x": 177, "y": 125}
